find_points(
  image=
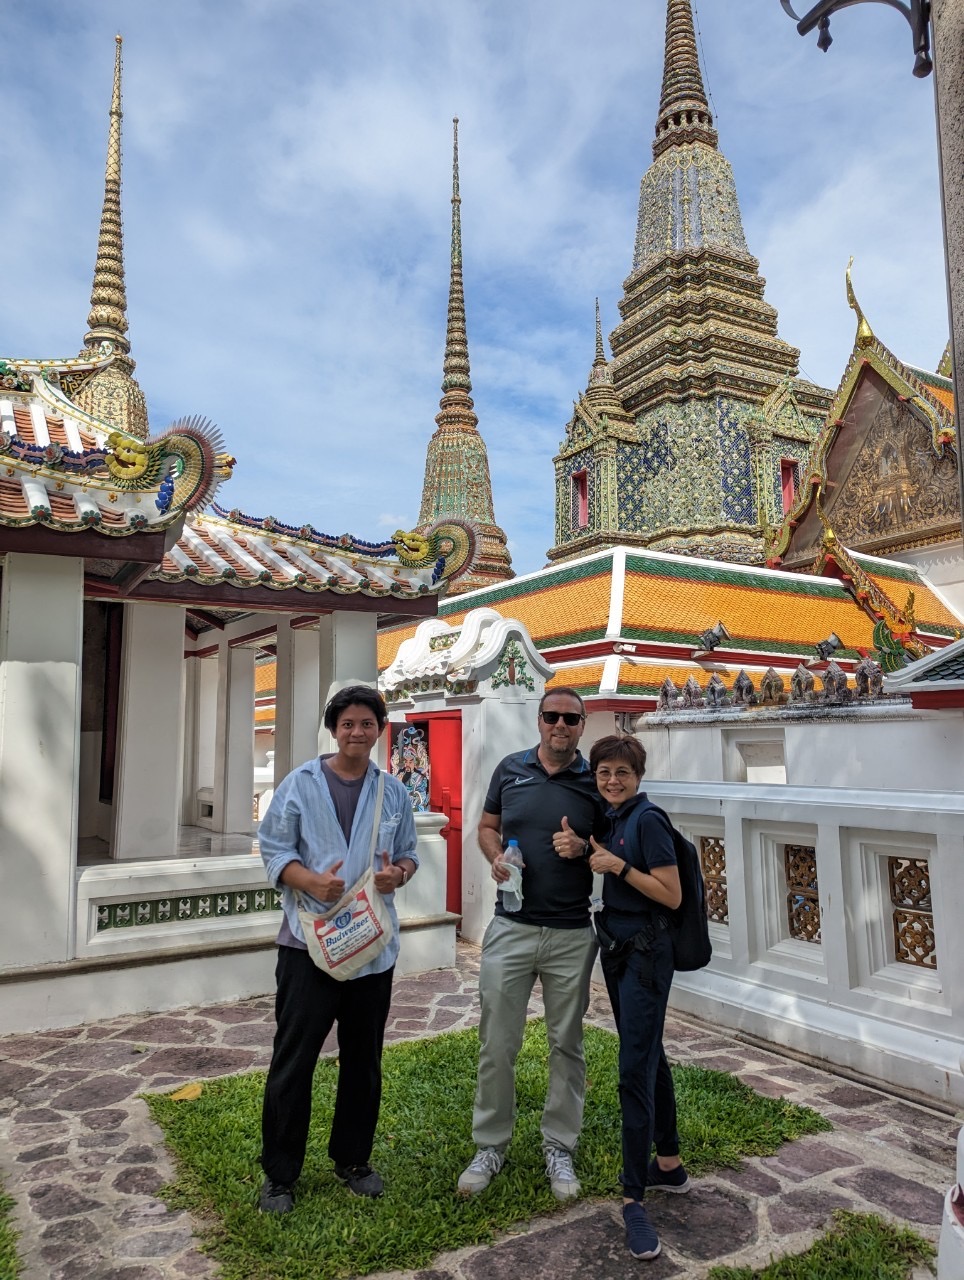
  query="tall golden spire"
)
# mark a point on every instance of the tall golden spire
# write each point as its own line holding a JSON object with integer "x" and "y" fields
{"x": 457, "y": 480}
{"x": 112, "y": 394}
{"x": 684, "y": 112}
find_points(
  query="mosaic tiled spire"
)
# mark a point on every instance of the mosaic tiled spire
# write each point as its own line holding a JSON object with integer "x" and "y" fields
{"x": 112, "y": 395}
{"x": 695, "y": 361}
{"x": 457, "y": 478}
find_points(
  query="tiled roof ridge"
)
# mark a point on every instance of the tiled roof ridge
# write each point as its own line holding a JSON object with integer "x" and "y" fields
{"x": 346, "y": 542}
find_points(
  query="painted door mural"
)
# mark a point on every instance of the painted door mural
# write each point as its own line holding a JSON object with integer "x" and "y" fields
{"x": 427, "y": 756}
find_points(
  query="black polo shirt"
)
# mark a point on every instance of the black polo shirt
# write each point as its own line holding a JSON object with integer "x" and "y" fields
{"x": 531, "y": 804}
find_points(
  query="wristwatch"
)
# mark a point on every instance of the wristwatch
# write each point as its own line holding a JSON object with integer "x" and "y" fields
{"x": 404, "y": 877}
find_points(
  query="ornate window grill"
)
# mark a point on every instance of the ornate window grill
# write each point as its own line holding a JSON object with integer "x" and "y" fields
{"x": 803, "y": 895}
{"x": 713, "y": 864}
{"x": 910, "y": 896}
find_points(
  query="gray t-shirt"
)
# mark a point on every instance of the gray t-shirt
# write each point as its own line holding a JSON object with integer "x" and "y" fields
{"x": 344, "y": 795}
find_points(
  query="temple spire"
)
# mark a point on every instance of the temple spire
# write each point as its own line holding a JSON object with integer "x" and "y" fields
{"x": 684, "y": 112}
{"x": 457, "y": 480}
{"x": 112, "y": 394}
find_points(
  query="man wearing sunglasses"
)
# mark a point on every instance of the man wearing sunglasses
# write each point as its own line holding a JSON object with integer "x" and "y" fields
{"x": 546, "y": 799}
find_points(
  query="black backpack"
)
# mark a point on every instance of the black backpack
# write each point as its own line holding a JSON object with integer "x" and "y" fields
{"x": 688, "y": 925}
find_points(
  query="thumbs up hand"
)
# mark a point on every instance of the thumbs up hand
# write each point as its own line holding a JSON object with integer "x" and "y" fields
{"x": 568, "y": 843}
{"x": 600, "y": 858}
{"x": 386, "y": 879}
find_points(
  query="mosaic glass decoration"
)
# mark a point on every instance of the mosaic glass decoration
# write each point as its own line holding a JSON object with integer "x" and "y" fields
{"x": 803, "y": 897}
{"x": 713, "y": 864}
{"x": 910, "y": 896}
{"x": 194, "y": 906}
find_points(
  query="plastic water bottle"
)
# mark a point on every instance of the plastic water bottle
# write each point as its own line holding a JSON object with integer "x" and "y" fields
{"x": 512, "y": 888}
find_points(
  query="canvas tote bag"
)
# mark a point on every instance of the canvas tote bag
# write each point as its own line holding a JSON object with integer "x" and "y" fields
{"x": 358, "y": 927}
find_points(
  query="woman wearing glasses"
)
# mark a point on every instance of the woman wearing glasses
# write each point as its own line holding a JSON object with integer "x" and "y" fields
{"x": 640, "y": 879}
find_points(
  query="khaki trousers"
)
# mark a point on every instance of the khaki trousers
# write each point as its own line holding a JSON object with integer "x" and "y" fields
{"x": 514, "y": 955}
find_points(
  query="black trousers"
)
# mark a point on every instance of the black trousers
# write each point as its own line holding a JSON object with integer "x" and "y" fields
{"x": 307, "y": 1006}
{"x": 638, "y": 989}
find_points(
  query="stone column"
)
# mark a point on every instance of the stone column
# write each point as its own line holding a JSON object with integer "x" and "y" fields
{"x": 297, "y": 698}
{"x": 234, "y": 741}
{"x": 347, "y": 653}
{"x": 41, "y": 638}
{"x": 150, "y": 743}
{"x": 947, "y": 17}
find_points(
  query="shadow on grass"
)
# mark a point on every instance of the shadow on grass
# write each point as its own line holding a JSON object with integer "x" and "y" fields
{"x": 424, "y": 1141}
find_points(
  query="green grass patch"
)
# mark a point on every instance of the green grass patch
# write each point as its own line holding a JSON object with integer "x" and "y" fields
{"x": 859, "y": 1246}
{"x": 10, "y": 1265}
{"x": 424, "y": 1141}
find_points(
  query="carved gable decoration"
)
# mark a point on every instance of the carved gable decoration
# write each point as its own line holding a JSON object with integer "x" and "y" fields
{"x": 886, "y": 487}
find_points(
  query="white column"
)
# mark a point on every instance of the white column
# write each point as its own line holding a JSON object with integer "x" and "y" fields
{"x": 234, "y": 741}
{"x": 348, "y": 654}
{"x": 147, "y": 788}
{"x": 189, "y": 783}
{"x": 41, "y": 638}
{"x": 297, "y": 698}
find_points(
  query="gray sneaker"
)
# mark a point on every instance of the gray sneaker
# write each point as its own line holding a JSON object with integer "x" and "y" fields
{"x": 482, "y": 1168}
{"x": 561, "y": 1174}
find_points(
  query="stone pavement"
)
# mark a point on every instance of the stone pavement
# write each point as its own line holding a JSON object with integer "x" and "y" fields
{"x": 81, "y": 1156}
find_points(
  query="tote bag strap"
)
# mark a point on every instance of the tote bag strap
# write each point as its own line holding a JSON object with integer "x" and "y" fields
{"x": 377, "y": 817}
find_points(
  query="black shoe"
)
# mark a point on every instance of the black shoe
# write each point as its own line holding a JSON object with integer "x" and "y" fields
{"x": 276, "y": 1197}
{"x": 360, "y": 1179}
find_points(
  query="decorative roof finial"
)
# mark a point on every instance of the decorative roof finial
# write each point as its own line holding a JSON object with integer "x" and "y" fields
{"x": 684, "y": 112}
{"x": 112, "y": 394}
{"x": 108, "y": 299}
{"x": 600, "y": 351}
{"x": 600, "y": 374}
{"x": 456, "y": 402}
{"x": 457, "y": 479}
{"x": 865, "y": 335}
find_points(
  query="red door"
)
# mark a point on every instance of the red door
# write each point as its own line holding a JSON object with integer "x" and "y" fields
{"x": 445, "y": 792}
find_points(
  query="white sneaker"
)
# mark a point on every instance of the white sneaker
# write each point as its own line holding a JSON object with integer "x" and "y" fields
{"x": 483, "y": 1167}
{"x": 561, "y": 1174}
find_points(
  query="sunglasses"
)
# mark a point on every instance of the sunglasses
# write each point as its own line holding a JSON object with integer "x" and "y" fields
{"x": 571, "y": 718}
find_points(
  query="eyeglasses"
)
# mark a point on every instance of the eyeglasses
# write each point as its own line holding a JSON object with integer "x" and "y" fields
{"x": 621, "y": 775}
{"x": 571, "y": 718}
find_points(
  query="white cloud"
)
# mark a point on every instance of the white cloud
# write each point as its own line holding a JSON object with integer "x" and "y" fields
{"x": 286, "y": 202}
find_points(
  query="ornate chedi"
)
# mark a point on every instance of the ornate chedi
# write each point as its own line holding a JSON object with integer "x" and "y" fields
{"x": 708, "y": 423}
{"x": 111, "y": 394}
{"x": 457, "y": 482}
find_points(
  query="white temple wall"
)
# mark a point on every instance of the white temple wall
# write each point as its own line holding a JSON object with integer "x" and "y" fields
{"x": 41, "y": 637}
{"x": 850, "y": 996}
{"x": 943, "y": 566}
{"x": 150, "y": 733}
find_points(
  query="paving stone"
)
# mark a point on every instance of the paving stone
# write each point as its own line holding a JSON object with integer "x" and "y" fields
{"x": 54, "y": 1200}
{"x": 763, "y": 1084}
{"x": 859, "y": 1121}
{"x": 45, "y": 1170}
{"x": 249, "y": 1033}
{"x": 192, "y": 1265}
{"x": 807, "y": 1157}
{"x": 83, "y": 1231}
{"x": 457, "y": 1001}
{"x": 695, "y": 1224}
{"x": 96, "y": 1090}
{"x": 721, "y": 1062}
{"x": 802, "y": 1075}
{"x": 106, "y": 1119}
{"x": 157, "y": 1244}
{"x": 805, "y": 1210}
{"x": 137, "y": 1155}
{"x": 42, "y": 1153}
{"x": 164, "y": 1030}
{"x": 38, "y": 1116}
{"x": 201, "y": 1060}
{"x": 900, "y": 1197}
{"x": 14, "y": 1076}
{"x": 29, "y": 1048}
{"x": 115, "y": 1138}
{"x": 232, "y": 1013}
{"x": 99, "y": 1055}
{"x": 139, "y": 1180}
{"x": 442, "y": 1019}
{"x": 751, "y": 1178}
{"x": 594, "y": 1245}
{"x": 851, "y": 1095}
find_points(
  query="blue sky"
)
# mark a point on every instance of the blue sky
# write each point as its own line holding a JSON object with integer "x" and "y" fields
{"x": 287, "y": 176}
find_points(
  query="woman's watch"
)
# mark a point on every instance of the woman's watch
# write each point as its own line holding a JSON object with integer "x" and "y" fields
{"x": 625, "y": 871}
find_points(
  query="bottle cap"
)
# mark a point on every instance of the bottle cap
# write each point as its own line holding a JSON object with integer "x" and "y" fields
{"x": 513, "y": 842}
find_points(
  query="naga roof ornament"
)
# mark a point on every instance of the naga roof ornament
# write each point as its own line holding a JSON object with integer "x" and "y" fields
{"x": 457, "y": 481}
{"x": 112, "y": 393}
